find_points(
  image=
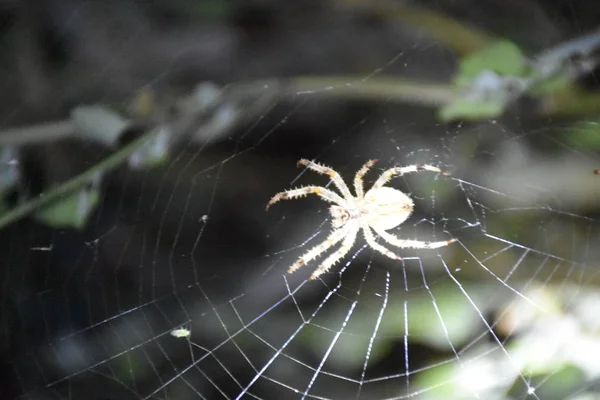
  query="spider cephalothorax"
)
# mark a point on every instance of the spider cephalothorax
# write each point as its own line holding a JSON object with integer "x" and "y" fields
{"x": 379, "y": 209}
{"x": 340, "y": 216}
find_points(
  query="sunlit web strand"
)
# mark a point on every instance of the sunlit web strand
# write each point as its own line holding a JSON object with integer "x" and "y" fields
{"x": 490, "y": 330}
{"x": 302, "y": 325}
{"x": 330, "y": 348}
{"x": 515, "y": 291}
{"x": 535, "y": 251}
{"x": 376, "y": 329}
{"x": 289, "y": 340}
{"x": 224, "y": 342}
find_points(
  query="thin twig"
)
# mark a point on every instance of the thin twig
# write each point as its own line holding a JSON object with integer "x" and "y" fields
{"x": 375, "y": 88}
{"x": 75, "y": 183}
{"x": 37, "y": 134}
{"x": 457, "y": 35}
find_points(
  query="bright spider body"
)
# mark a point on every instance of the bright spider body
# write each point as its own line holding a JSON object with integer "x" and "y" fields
{"x": 379, "y": 209}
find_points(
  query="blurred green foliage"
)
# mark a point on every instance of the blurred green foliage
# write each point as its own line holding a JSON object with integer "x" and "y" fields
{"x": 71, "y": 211}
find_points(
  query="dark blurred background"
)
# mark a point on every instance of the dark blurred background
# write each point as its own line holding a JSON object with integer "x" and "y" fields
{"x": 85, "y": 313}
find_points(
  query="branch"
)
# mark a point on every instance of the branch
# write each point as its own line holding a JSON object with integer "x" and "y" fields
{"x": 75, "y": 183}
{"x": 36, "y": 134}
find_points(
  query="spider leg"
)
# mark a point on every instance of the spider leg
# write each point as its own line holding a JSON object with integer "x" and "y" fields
{"x": 370, "y": 238}
{"x": 303, "y": 191}
{"x": 335, "y": 177}
{"x": 316, "y": 251}
{"x": 387, "y": 175}
{"x": 358, "y": 178}
{"x": 339, "y": 253}
{"x": 413, "y": 244}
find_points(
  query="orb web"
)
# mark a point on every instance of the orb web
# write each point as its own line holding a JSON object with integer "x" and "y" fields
{"x": 177, "y": 287}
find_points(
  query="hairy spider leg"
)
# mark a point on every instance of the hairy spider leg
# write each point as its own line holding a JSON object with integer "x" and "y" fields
{"x": 387, "y": 175}
{"x": 339, "y": 253}
{"x": 414, "y": 244}
{"x": 303, "y": 191}
{"x": 335, "y": 177}
{"x": 370, "y": 238}
{"x": 316, "y": 251}
{"x": 358, "y": 178}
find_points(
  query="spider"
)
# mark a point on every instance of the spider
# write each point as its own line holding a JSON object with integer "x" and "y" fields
{"x": 381, "y": 208}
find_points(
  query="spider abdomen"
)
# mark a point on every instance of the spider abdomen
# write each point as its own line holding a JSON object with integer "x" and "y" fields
{"x": 387, "y": 207}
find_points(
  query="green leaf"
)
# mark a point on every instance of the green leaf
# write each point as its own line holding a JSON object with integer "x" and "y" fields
{"x": 470, "y": 110}
{"x": 461, "y": 319}
{"x": 557, "y": 384}
{"x": 550, "y": 85}
{"x": 99, "y": 123}
{"x": 71, "y": 211}
{"x": 503, "y": 57}
{"x": 584, "y": 135}
{"x": 481, "y": 83}
{"x": 152, "y": 153}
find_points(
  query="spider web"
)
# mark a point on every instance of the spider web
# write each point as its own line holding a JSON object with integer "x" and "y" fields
{"x": 507, "y": 311}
